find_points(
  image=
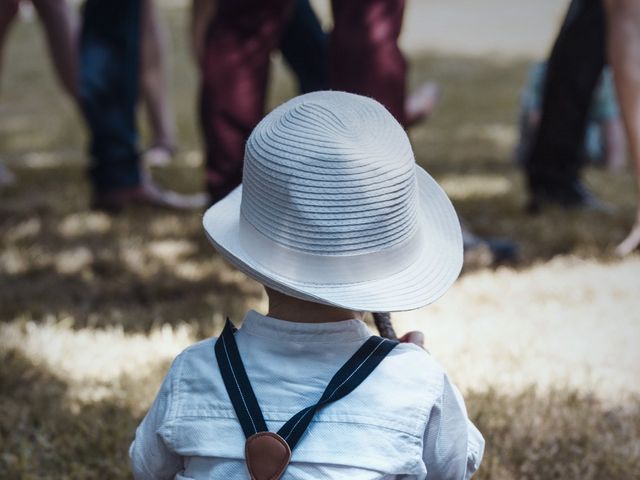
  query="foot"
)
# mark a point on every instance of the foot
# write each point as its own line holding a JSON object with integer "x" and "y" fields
{"x": 148, "y": 193}
{"x": 421, "y": 102}
{"x": 503, "y": 250}
{"x": 631, "y": 243}
{"x": 569, "y": 196}
{"x": 487, "y": 252}
{"x": 158, "y": 156}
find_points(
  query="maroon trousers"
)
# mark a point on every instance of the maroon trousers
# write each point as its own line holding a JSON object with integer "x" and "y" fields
{"x": 364, "y": 59}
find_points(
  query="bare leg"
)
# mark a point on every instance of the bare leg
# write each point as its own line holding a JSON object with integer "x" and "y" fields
{"x": 155, "y": 90}
{"x": 615, "y": 144}
{"x": 623, "y": 17}
{"x": 61, "y": 25}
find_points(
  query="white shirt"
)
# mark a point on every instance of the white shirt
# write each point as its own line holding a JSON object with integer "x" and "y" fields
{"x": 405, "y": 421}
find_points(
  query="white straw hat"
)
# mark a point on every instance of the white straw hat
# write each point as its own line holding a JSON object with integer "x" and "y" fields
{"x": 333, "y": 209}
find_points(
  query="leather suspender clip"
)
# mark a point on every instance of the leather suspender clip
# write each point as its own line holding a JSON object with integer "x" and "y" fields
{"x": 268, "y": 454}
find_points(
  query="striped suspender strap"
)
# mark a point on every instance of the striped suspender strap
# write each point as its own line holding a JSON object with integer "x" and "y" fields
{"x": 244, "y": 402}
{"x": 237, "y": 383}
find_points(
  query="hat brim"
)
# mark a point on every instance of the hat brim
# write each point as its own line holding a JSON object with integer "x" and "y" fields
{"x": 425, "y": 280}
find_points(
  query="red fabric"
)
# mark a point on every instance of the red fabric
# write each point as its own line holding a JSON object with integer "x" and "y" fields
{"x": 365, "y": 59}
{"x": 234, "y": 81}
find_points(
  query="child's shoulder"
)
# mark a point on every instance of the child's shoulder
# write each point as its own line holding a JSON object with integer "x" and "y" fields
{"x": 415, "y": 356}
{"x": 203, "y": 347}
{"x": 197, "y": 359}
{"x": 407, "y": 367}
{"x": 195, "y": 377}
{"x": 416, "y": 365}
{"x": 407, "y": 380}
{"x": 199, "y": 352}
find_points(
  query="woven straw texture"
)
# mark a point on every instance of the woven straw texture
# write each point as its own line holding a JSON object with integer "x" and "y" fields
{"x": 334, "y": 209}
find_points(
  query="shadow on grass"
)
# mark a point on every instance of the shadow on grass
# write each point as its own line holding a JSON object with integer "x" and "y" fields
{"x": 43, "y": 435}
{"x": 529, "y": 436}
{"x": 145, "y": 267}
{"x": 124, "y": 299}
{"x": 139, "y": 269}
{"x": 108, "y": 274}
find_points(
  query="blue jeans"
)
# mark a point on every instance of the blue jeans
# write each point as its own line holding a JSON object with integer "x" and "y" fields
{"x": 109, "y": 66}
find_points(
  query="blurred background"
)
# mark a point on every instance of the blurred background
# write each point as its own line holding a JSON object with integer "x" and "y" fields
{"x": 543, "y": 337}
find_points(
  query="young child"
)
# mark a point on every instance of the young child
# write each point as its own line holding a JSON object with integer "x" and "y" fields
{"x": 334, "y": 218}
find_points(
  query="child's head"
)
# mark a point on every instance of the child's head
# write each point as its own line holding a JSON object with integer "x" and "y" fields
{"x": 334, "y": 210}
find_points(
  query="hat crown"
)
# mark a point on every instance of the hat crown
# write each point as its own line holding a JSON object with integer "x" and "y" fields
{"x": 331, "y": 173}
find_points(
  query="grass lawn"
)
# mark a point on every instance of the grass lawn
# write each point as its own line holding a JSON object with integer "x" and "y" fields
{"x": 93, "y": 307}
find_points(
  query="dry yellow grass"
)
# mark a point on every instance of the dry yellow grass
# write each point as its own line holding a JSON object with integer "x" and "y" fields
{"x": 568, "y": 323}
{"x": 93, "y": 307}
{"x": 46, "y": 434}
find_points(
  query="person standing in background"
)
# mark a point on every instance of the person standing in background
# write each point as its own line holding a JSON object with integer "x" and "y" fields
{"x": 232, "y": 42}
{"x": 110, "y": 50}
{"x": 604, "y": 142}
{"x": 592, "y": 31}
{"x": 554, "y": 161}
{"x": 60, "y": 24}
{"x": 623, "y": 25}
{"x": 155, "y": 88}
{"x": 305, "y": 48}
{"x": 237, "y": 41}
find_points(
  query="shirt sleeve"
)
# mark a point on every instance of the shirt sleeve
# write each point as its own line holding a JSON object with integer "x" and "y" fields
{"x": 453, "y": 446}
{"x": 150, "y": 456}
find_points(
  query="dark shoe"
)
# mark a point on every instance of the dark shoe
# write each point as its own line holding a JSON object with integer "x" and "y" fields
{"x": 147, "y": 193}
{"x": 489, "y": 252}
{"x": 502, "y": 250}
{"x": 569, "y": 196}
{"x": 631, "y": 243}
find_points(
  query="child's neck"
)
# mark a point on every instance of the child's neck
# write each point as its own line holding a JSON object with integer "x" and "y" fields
{"x": 284, "y": 307}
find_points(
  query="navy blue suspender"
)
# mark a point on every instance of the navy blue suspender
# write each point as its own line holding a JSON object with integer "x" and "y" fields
{"x": 246, "y": 406}
{"x": 237, "y": 383}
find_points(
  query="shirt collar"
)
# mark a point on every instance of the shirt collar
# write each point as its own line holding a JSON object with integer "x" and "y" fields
{"x": 335, "y": 332}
